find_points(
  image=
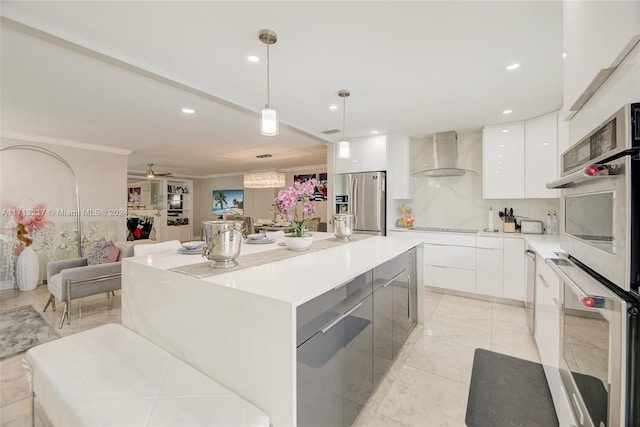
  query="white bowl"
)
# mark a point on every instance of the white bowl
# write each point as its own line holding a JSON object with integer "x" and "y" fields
{"x": 192, "y": 245}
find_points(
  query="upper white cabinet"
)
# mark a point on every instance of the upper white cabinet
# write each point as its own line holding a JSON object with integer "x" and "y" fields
{"x": 541, "y": 156}
{"x": 596, "y": 37}
{"x": 366, "y": 154}
{"x": 401, "y": 171}
{"x": 503, "y": 160}
{"x": 520, "y": 158}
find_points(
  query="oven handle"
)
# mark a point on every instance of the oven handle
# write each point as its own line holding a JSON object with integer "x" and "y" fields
{"x": 591, "y": 171}
{"x": 588, "y": 301}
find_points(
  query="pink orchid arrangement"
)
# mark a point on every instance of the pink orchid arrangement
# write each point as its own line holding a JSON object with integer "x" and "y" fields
{"x": 295, "y": 206}
{"x": 26, "y": 220}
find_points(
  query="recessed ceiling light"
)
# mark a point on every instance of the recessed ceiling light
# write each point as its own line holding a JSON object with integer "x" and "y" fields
{"x": 504, "y": 130}
{"x": 564, "y": 55}
{"x": 333, "y": 107}
{"x": 501, "y": 145}
{"x": 188, "y": 110}
{"x": 252, "y": 58}
{"x": 500, "y": 155}
{"x": 506, "y": 112}
{"x": 512, "y": 67}
{"x": 545, "y": 143}
{"x": 354, "y": 161}
{"x": 374, "y": 132}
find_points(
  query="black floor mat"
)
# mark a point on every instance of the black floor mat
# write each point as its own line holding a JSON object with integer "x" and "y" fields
{"x": 507, "y": 391}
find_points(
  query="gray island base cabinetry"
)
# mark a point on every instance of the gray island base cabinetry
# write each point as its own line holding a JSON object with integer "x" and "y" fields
{"x": 347, "y": 339}
{"x": 306, "y": 339}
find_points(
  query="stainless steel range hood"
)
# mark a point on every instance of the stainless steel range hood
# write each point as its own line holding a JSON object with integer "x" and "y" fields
{"x": 445, "y": 157}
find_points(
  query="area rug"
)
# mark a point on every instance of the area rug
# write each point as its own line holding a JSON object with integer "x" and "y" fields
{"x": 507, "y": 391}
{"x": 22, "y": 328}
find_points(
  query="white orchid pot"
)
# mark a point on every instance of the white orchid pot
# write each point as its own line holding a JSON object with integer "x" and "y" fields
{"x": 27, "y": 269}
{"x": 298, "y": 243}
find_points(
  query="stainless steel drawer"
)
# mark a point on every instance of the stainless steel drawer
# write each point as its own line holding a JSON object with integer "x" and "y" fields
{"x": 384, "y": 273}
{"x": 321, "y": 311}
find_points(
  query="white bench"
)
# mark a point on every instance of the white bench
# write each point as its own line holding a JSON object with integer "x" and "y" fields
{"x": 111, "y": 376}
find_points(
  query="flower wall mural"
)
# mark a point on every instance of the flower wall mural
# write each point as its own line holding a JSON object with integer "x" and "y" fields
{"x": 33, "y": 224}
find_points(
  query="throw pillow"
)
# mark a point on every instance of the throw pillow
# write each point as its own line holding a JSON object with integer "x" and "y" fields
{"x": 101, "y": 252}
{"x": 113, "y": 252}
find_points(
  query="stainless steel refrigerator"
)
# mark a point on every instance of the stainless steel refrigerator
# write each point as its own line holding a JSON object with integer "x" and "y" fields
{"x": 363, "y": 194}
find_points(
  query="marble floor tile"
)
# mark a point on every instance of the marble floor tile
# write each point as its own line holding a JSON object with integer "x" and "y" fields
{"x": 463, "y": 332}
{"x": 417, "y": 397}
{"x": 442, "y": 358}
{"x": 461, "y": 308}
{"x": 516, "y": 344}
{"x": 379, "y": 420}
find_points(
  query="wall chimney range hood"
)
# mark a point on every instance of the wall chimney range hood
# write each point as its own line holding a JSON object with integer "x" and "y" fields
{"x": 445, "y": 156}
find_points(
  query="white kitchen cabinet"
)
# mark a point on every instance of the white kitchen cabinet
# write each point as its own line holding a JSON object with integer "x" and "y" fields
{"x": 401, "y": 172}
{"x": 450, "y": 261}
{"x": 503, "y": 160}
{"x": 541, "y": 156}
{"x": 514, "y": 269}
{"x": 520, "y": 158}
{"x": 595, "y": 36}
{"x": 366, "y": 154}
{"x": 490, "y": 262}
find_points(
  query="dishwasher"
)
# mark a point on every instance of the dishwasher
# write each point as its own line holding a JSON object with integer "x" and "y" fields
{"x": 530, "y": 296}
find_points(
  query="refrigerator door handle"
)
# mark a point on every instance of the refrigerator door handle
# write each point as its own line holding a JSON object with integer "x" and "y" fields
{"x": 354, "y": 201}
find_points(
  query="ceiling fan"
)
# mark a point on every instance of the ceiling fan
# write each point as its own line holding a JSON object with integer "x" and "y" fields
{"x": 152, "y": 174}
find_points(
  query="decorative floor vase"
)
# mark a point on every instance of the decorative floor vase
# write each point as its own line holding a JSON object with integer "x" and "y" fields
{"x": 298, "y": 243}
{"x": 27, "y": 269}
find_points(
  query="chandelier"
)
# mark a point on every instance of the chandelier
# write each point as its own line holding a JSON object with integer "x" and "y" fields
{"x": 269, "y": 179}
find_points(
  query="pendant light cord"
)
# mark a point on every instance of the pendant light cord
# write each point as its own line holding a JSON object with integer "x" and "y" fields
{"x": 344, "y": 113}
{"x": 268, "y": 80}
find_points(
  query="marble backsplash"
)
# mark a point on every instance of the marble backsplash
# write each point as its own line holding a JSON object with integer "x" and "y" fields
{"x": 456, "y": 202}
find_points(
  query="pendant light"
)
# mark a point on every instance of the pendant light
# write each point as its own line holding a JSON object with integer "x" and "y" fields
{"x": 270, "y": 179}
{"x": 268, "y": 115}
{"x": 343, "y": 145}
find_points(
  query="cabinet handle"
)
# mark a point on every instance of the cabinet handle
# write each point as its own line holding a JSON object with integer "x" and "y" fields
{"x": 544, "y": 282}
{"x": 342, "y": 285}
{"x": 439, "y": 266}
{"x": 409, "y": 296}
{"x": 557, "y": 303}
{"x": 339, "y": 318}
{"x": 530, "y": 254}
{"x": 394, "y": 278}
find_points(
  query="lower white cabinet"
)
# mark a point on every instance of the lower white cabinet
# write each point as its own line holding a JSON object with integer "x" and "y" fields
{"x": 450, "y": 261}
{"x": 484, "y": 265}
{"x": 514, "y": 268}
{"x": 490, "y": 261}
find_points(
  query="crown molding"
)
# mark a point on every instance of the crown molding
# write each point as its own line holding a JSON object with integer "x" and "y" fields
{"x": 62, "y": 142}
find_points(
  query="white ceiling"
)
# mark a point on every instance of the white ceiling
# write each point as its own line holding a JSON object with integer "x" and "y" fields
{"x": 117, "y": 74}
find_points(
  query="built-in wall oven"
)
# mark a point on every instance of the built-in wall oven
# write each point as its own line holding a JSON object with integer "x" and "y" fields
{"x": 600, "y": 272}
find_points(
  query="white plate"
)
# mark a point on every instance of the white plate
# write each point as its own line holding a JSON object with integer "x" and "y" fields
{"x": 260, "y": 242}
{"x": 190, "y": 246}
{"x": 190, "y": 252}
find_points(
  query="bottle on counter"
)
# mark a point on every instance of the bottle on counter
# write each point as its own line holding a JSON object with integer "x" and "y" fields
{"x": 554, "y": 223}
{"x": 548, "y": 229}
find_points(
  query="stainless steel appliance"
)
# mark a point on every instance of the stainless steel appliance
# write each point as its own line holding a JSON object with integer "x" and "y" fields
{"x": 528, "y": 226}
{"x": 600, "y": 339}
{"x": 364, "y": 195}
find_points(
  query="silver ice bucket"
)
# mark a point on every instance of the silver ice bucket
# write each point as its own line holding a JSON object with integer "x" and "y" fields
{"x": 222, "y": 242}
{"x": 342, "y": 226}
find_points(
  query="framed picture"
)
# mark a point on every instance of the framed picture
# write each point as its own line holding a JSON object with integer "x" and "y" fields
{"x": 321, "y": 184}
{"x": 304, "y": 177}
{"x": 228, "y": 202}
{"x": 135, "y": 194}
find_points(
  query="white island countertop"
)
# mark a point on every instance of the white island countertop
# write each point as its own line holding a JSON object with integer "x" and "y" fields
{"x": 239, "y": 325}
{"x": 316, "y": 271}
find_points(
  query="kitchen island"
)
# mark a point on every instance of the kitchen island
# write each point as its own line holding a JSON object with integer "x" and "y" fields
{"x": 240, "y": 327}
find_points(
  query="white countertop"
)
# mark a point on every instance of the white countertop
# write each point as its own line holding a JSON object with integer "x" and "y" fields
{"x": 545, "y": 245}
{"x": 295, "y": 280}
